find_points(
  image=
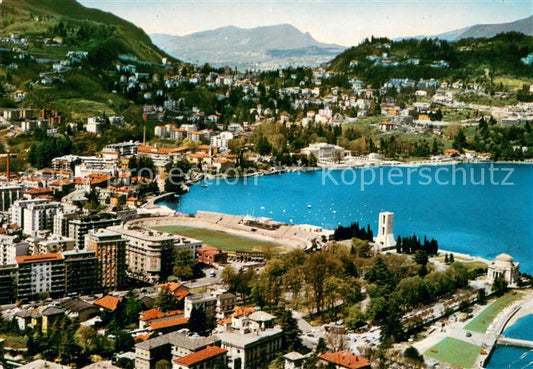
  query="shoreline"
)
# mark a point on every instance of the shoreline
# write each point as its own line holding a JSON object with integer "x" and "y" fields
{"x": 360, "y": 165}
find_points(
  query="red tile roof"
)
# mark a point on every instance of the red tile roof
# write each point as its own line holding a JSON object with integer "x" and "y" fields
{"x": 345, "y": 359}
{"x": 156, "y": 313}
{"x": 108, "y": 302}
{"x": 169, "y": 323}
{"x": 199, "y": 356}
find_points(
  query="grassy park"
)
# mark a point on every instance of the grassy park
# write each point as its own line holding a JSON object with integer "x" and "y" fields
{"x": 483, "y": 320}
{"x": 221, "y": 240}
{"x": 454, "y": 352}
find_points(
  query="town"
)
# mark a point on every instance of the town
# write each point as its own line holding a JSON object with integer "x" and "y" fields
{"x": 97, "y": 272}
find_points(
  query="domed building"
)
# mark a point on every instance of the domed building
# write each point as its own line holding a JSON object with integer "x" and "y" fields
{"x": 505, "y": 266}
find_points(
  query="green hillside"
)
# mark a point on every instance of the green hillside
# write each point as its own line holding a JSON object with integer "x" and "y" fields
{"x": 467, "y": 59}
{"x": 81, "y": 27}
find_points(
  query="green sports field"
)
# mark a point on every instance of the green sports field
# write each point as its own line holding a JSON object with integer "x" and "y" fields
{"x": 483, "y": 320}
{"x": 222, "y": 240}
{"x": 454, "y": 352}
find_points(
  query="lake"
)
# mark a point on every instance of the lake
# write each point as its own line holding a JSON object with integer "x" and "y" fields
{"x": 449, "y": 203}
{"x": 514, "y": 357}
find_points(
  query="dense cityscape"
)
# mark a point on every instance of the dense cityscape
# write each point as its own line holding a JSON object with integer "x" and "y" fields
{"x": 103, "y": 136}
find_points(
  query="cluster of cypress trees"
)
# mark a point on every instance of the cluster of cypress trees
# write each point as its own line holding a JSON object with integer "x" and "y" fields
{"x": 354, "y": 230}
{"x": 410, "y": 245}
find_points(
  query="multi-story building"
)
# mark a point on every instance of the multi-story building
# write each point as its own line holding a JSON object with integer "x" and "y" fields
{"x": 8, "y": 195}
{"x": 81, "y": 272}
{"x": 8, "y": 250}
{"x": 205, "y": 302}
{"x": 186, "y": 243}
{"x": 8, "y": 283}
{"x": 40, "y": 274}
{"x": 53, "y": 244}
{"x": 62, "y": 218}
{"x": 110, "y": 250}
{"x": 204, "y": 359}
{"x": 251, "y": 340}
{"x": 170, "y": 346}
{"x": 39, "y": 217}
{"x": 18, "y": 207}
{"x": 82, "y": 224}
{"x": 149, "y": 254}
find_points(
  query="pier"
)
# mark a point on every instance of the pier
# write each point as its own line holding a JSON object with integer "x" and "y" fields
{"x": 506, "y": 341}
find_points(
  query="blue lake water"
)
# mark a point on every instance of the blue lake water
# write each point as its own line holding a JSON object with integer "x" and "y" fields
{"x": 507, "y": 357}
{"x": 514, "y": 357}
{"x": 522, "y": 329}
{"x": 438, "y": 201}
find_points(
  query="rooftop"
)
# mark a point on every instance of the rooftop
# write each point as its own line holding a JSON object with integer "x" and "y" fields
{"x": 38, "y": 258}
{"x": 345, "y": 359}
{"x": 167, "y": 323}
{"x": 108, "y": 302}
{"x": 243, "y": 340}
{"x": 202, "y": 355}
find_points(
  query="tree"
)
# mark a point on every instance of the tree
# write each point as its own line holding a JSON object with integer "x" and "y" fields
{"x": 499, "y": 286}
{"x": 166, "y": 300}
{"x": 421, "y": 257}
{"x": 123, "y": 341}
{"x": 291, "y": 332}
{"x": 382, "y": 277}
{"x": 355, "y": 318}
{"x": 87, "y": 339}
{"x": 481, "y": 296}
{"x": 176, "y": 176}
{"x": 452, "y": 259}
{"x": 459, "y": 142}
{"x": 229, "y": 277}
{"x": 321, "y": 346}
{"x": 198, "y": 321}
{"x": 312, "y": 160}
{"x": 183, "y": 264}
{"x": 318, "y": 267}
{"x": 163, "y": 364}
{"x": 412, "y": 353}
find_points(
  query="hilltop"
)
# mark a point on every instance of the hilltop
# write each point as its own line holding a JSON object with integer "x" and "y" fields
{"x": 524, "y": 26}
{"x": 377, "y": 59}
{"x": 81, "y": 27}
{"x": 64, "y": 56}
{"x": 262, "y": 47}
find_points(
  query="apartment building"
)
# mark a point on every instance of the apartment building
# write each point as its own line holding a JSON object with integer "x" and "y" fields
{"x": 149, "y": 254}
{"x": 8, "y": 195}
{"x": 80, "y": 225}
{"x": 81, "y": 272}
{"x": 39, "y": 216}
{"x": 40, "y": 274}
{"x": 110, "y": 250}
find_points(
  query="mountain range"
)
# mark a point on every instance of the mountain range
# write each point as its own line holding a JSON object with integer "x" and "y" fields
{"x": 524, "y": 26}
{"x": 262, "y": 47}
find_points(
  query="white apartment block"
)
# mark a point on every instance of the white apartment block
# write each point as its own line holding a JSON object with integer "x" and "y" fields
{"x": 149, "y": 254}
{"x": 39, "y": 217}
{"x": 222, "y": 140}
{"x": 8, "y": 250}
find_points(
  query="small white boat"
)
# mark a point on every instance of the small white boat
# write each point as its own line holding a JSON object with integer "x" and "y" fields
{"x": 308, "y": 206}
{"x": 204, "y": 185}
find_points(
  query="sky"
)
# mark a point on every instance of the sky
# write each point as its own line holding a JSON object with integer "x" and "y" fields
{"x": 344, "y": 22}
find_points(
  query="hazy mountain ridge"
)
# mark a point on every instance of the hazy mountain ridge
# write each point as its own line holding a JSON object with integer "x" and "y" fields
{"x": 524, "y": 26}
{"x": 256, "y": 47}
